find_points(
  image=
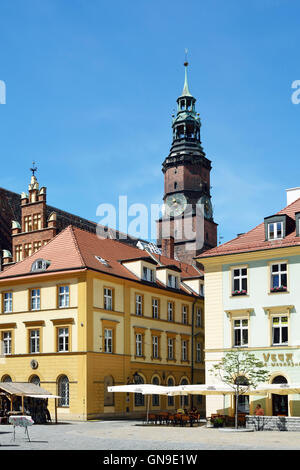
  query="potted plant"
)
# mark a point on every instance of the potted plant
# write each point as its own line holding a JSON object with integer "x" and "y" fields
{"x": 279, "y": 289}
{"x": 239, "y": 292}
{"x": 218, "y": 422}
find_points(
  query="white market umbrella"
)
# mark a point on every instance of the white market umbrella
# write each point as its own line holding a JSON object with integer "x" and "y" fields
{"x": 278, "y": 389}
{"x": 144, "y": 389}
{"x": 201, "y": 389}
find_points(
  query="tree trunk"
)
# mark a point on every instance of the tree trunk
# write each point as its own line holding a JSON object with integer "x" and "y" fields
{"x": 236, "y": 408}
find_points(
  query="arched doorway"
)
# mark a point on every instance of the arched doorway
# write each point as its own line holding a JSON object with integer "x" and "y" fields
{"x": 280, "y": 404}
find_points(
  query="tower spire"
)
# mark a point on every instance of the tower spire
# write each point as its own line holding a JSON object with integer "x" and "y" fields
{"x": 186, "y": 91}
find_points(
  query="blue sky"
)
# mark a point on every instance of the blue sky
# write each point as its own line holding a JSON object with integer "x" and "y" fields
{"x": 91, "y": 86}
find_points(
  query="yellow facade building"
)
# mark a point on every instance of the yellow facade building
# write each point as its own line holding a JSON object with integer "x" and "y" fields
{"x": 82, "y": 313}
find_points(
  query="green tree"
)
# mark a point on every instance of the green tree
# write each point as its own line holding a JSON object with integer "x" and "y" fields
{"x": 240, "y": 370}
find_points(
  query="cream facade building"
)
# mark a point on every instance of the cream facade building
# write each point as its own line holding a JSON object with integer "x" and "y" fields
{"x": 252, "y": 303}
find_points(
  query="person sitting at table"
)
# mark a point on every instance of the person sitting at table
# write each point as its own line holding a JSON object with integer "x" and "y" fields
{"x": 259, "y": 411}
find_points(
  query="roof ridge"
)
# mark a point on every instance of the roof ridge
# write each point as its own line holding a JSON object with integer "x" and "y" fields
{"x": 76, "y": 242}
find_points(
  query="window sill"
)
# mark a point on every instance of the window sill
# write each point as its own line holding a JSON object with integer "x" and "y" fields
{"x": 139, "y": 357}
{"x": 284, "y": 291}
{"x": 282, "y": 345}
{"x": 240, "y": 295}
{"x": 155, "y": 358}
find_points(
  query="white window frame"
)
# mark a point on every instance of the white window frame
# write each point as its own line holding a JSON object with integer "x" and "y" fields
{"x": 7, "y": 302}
{"x": 108, "y": 340}
{"x": 139, "y": 305}
{"x": 148, "y": 274}
{"x": 239, "y": 277}
{"x": 139, "y": 345}
{"x": 170, "y": 348}
{"x": 63, "y": 296}
{"x": 198, "y": 317}
{"x": 7, "y": 343}
{"x": 108, "y": 298}
{"x": 155, "y": 308}
{"x": 34, "y": 341}
{"x": 276, "y": 230}
{"x": 155, "y": 343}
{"x": 198, "y": 352}
{"x": 184, "y": 350}
{"x": 280, "y": 273}
{"x": 173, "y": 281}
{"x": 35, "y": 299}
{"x": 63, "y": 334}
{"x": 170, "y": 311}
{"x": 280, "y": 326}
{"x": 184, "y": 315}
{"x": 241, "y": 328}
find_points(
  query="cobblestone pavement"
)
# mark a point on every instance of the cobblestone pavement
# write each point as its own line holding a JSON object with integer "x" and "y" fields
{"x": 131, "y": 435}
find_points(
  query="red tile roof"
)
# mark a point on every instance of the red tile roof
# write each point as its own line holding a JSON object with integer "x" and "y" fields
{"x": 254, "y": 240}
{"x": 74, "y": 248}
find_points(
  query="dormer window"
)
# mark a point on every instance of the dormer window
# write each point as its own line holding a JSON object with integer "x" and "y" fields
{"x": 277, "y": 226}
{"x": 275, "y": 230}
{"x": 173, "y": 281}
{"x": 148, "y": 274}
{"x": 40, "y": 265}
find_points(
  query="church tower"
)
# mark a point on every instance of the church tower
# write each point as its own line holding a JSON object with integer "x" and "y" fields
{"x": 187, "y": 197}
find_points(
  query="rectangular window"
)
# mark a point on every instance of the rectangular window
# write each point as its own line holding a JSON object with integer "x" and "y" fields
{"x": 7, "y": 302}
{"x": 170, "y": 348}
{"x": 36, "y": 246}
{"x": 35, "y": 299}
{"x": 63, "y": 296}
{"x": 155, "y": 347}
{"x": 173, "y": 281}
{"x": 185, "y": 314}
{"x": 139, "y": 305}
{"x": 6, "y": 338}
{"x": 108, "y": 341}
{"x": 19, "y": 253}
{"x": 108, "y": 298}
{"x": 199, "y": 317}
{"x": 138, "y": 345}
{"x": 278, "y": 277}
{"x": 37, "y": 222}
{"x": 148, "y": 274}
{"x": 184, "y": 350}
{"x": 27, "y": 250}
{"x": 198, "y": 352}
{"x": 63, "y": 339}
{"x": 155, "y": 308}
{"x": 240, "y": 331}
{"x": 27, "y": 223}
{"x": 275, "y": 230}
{"x": 239, "y": 281}
{"x": 34, "y": 341}
{"x": 170, "y": 311}
{"x": 279, "y": 331}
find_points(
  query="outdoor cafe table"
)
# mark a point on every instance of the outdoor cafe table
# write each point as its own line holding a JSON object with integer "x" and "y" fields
{"x": 22, "y": 421}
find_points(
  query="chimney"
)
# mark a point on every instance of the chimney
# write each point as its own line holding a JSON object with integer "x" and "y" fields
{"x": 167, "y": 247}
{"x": 292, "y": 195}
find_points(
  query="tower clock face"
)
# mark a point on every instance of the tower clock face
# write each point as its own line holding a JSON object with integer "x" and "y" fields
{"x": 208, "y": 210}
{"x": 175, "y": 204}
